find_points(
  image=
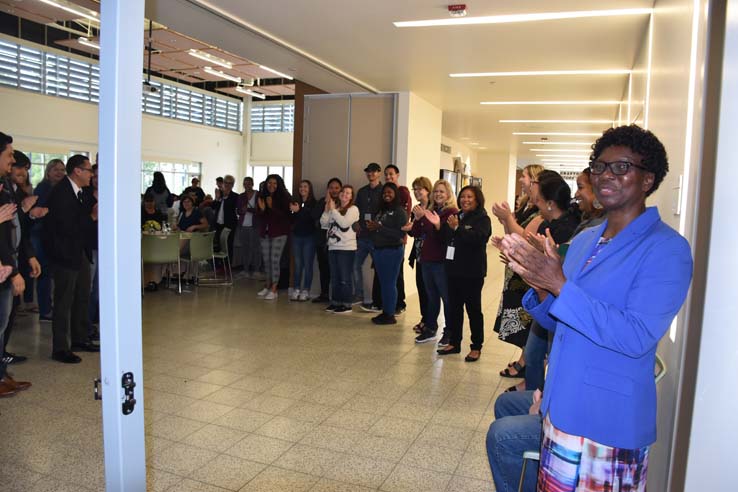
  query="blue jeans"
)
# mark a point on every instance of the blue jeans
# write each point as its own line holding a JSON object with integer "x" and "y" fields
{"x": 364, "y": 247}
{"x": 303, "y": 250}
{"x": 511, "y": 434}
{"x": 387, "y": 264}
{"x": 43, "y": 282}
{"x": 6, "y": 305}
{"x": 436, "y": 289}
{"x": 341, "y": 264}
{"x": 535, "y": 357}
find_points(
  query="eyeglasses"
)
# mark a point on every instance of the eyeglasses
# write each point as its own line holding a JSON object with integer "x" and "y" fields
{"x": 618, "y": 168}
{"x": 88, "y": 169}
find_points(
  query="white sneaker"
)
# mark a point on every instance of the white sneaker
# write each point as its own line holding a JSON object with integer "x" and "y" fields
{"x": 263, "y": 292}
{"x": 271, "y": 296}
{"x": 304, "y": 295}
{"x": 294, "y": 295}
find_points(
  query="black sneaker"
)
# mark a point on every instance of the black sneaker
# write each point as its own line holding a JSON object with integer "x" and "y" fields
{"x": 426, "y": 336}
{"x": 445, "y": 341}
{"x": 331, "y": 308}
{"x": 370, "y": 308}
{"x": 320, "y": 298}
{"x": 384, "y": 319}
{"x": 400, "y": 310}
{"x": 342, "y": 310}
{"x": 10, "y": 358}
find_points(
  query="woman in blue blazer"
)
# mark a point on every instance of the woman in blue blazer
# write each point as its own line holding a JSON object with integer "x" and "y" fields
{"x": 617, "y": 293}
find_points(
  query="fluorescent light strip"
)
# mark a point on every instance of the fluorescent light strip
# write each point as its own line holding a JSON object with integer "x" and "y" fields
{"x": 560, "y": 134}
{"x": 560, "y": 150}
{"x": 557, "y": 143}
{"x": 565, "y": 160}
{"x": 222, "y": 75}
{"x": 283, "y": 75}
{"x": 550, "y": 103}
{"x": 251, "y": 93}
{"x": 505, "y": 19}
{"x": 210, "y": 58}
{"x": 71, "y": 10}
{"x": 585, "y": 122}
{"x": 533, "y": 73}
{"x": 86, "y": 42}
{"x": 565, "y": 156}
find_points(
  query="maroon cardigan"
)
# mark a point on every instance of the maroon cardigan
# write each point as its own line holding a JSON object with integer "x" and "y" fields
{"x": 434, "y": 247}
{"x": 275, "y": 221}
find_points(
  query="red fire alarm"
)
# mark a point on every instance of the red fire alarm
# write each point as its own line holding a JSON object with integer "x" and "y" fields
{"x": 457, "y": 10}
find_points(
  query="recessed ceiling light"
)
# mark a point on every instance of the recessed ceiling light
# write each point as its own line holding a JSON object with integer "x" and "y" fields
{"x": 504, "y": 19}
{"x": 86, "y": 42}
{"x": 560, "y": 134}
{"x": 202, "y": 55}
{"x": 63, "y": 5}
{"x": 541, "y": 73}
{"x": 557, "y": 143}
{"x": 550, "y": 103}
{"x": 585, "y": 122}
{"x": 283, "y": 75}
{"x": 222, "y": 75}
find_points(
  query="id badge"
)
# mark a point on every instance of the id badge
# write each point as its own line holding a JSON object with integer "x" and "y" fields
{"x": 450, "y": 253}
{"x": 367, "y": 216}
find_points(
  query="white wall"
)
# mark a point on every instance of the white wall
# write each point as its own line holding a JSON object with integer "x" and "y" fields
{"x": 494, "y": 169}
{"x": 677, "y": 56}
{"x": 418, "y": 138}
{"x": 271, "y": 148}
{"x": 53, "y": 124}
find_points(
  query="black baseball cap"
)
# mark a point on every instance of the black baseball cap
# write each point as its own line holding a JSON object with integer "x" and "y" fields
{"x": 373, "y": 167}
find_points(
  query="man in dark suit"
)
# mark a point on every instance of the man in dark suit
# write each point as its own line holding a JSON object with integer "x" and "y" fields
{"x": 225, "y": 213}
{"x": 71, "y": 220}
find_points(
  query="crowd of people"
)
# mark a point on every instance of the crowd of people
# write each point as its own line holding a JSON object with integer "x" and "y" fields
{"x": 48, "y": 247}
{"x": 592, "y": 282}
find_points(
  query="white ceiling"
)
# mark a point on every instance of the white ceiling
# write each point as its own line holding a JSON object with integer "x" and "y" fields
{"x": 359, "y": 39}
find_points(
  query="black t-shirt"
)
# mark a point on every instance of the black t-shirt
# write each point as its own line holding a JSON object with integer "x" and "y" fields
{"x": 156, "y": 216}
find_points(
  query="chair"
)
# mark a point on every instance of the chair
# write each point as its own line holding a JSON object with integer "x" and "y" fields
{"x": 659, "y": 373}
{"x": 161, "y": 249}
{"x": 201, "y": 249}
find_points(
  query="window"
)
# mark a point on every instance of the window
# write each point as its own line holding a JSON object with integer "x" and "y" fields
{"x": 47, "y": 72}
{"x": 271, "y": 117}
{"x": 260, "y": 173}
{"x": 38, "y": 165}
{"x": 178, "y": 175}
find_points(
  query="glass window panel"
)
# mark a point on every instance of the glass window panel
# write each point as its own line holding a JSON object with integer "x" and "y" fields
{"x": 287, "y": 176}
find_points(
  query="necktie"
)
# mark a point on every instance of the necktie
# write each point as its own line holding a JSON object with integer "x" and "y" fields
{"x": 79, "y": 196}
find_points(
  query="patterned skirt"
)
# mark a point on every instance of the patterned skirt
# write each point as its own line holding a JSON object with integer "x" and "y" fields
{"x": 576, "y": 464}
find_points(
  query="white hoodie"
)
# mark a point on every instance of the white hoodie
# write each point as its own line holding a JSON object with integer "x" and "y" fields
{"x": 340, "y": 234}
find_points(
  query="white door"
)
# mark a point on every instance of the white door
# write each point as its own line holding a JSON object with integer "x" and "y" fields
{"x": 121, "y": 64}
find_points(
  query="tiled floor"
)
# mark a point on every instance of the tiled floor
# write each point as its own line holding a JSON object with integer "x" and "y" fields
{"x": 250, "y": 395}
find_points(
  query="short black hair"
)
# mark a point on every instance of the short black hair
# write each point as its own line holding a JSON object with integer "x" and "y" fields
{"x": 5, "y": 140}
{"x": 640, "y": 141}
{"x": 76, "y": 161}
{"x": 392, "y": 166}
{"x": 334, "y": 180}
{"x": 219, "y": 179}
{"x": 551, "y": 186}
{"x": 21, "y": 159}
{"x": 478, "y": 195}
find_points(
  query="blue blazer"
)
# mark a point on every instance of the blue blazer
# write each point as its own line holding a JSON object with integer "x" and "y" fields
{"x": 608, "y": 320}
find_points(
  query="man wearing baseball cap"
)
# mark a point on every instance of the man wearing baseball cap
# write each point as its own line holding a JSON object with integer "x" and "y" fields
{"x": 368, "y": 200}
